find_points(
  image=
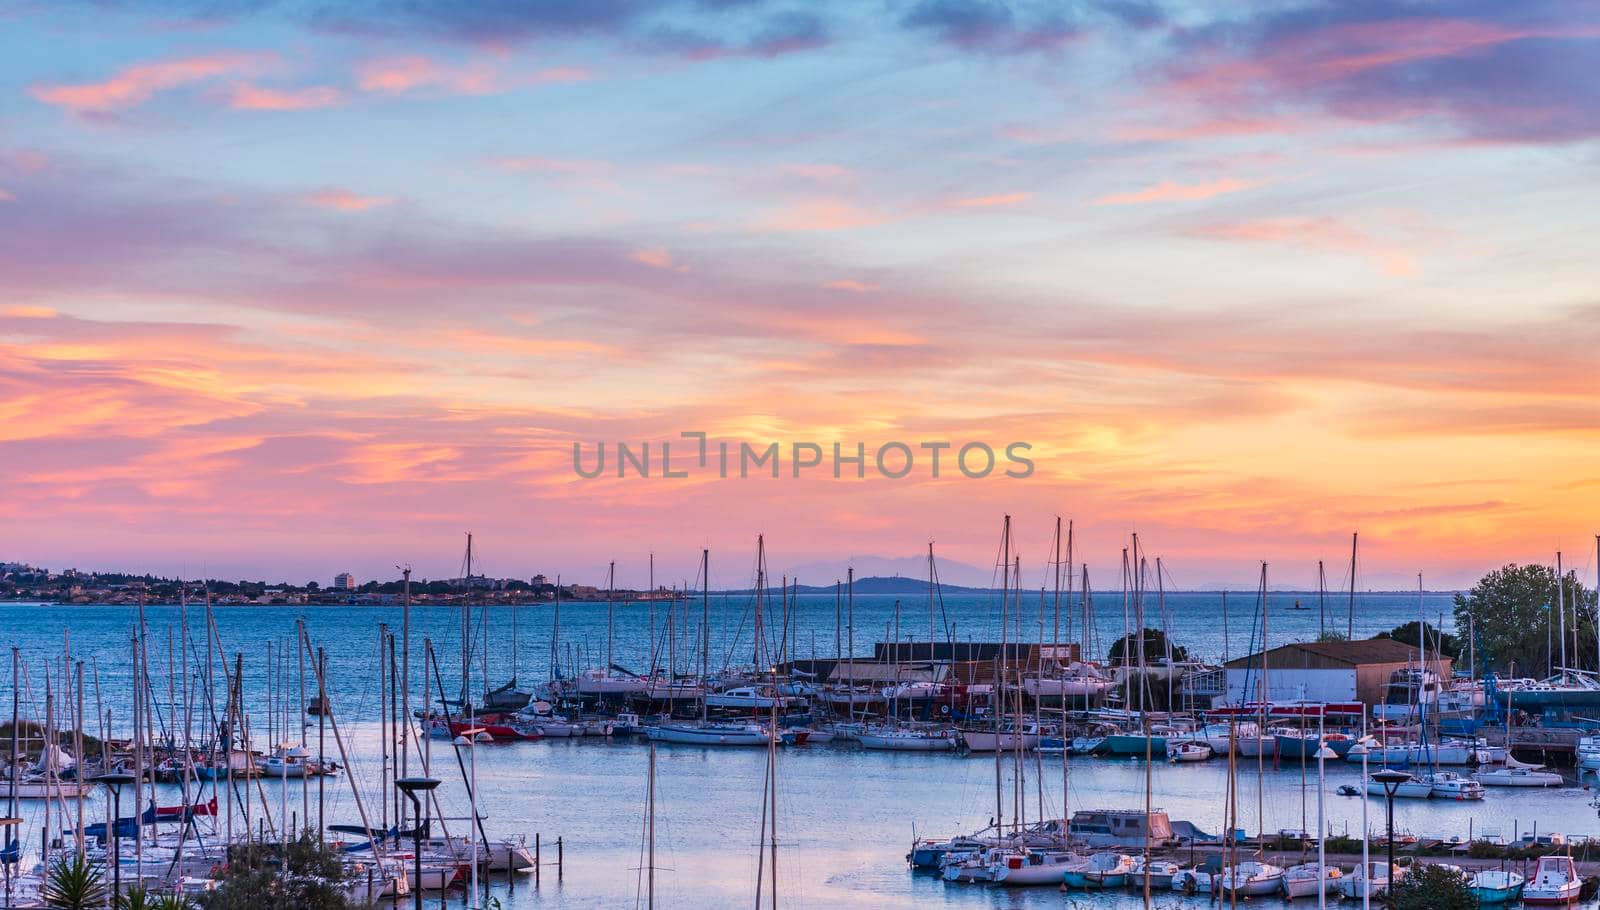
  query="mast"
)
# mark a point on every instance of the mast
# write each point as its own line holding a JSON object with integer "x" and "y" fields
{"x": 1322, "y": 600}
{"x": 405, "y": 679}
{"x": 1350, "y": 625}
{"x": 931, "y": 633}
{"x": 1561, "y": 611}
{"x": 611, "y": 620}
{"x": 650, "y": 800}
{"x": 997, "y": 699}
{"x": 705, "y": 633}
{"x": 850, "y": 634}
{"x": 1266, "y": 697}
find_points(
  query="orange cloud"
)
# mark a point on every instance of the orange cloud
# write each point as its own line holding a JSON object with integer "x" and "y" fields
{"x": 247, "y": 97}
{"x": 137, "y": 84}
{"x": 1168, "y": 191}
{"x": 343, "y": 200}
{"x": 984, "y": 202}
{"x": 823, "y": 215}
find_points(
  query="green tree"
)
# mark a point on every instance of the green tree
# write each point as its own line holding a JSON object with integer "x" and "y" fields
{"x": 305, "y": 876}
{"x": 1432, "y": 888}
{"x": 1512, "y": 610}
{"x": 1155, "y": 649}
{"x": 1439, "y": 642}
{"x": 74, "y": 884}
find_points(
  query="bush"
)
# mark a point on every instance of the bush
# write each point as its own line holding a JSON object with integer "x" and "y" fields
{"x": 1432, "y": 888}
{"x": 305, "y": 876}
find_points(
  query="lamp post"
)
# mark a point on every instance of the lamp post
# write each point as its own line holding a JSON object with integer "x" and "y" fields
{"x": 411, "y": 786}
{"x": 116, "y": 780}
{"x": 1391, "y": 780}
{"x": 469, "y": 739}
{"x": 7, "y": 824}
{"x": 1323, "y": 753}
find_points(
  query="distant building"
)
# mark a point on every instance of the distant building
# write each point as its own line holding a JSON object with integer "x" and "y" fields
{"x": 344, "y": 581}
{"x": 1326, "y": 671}
{"x": 540, "y": 581}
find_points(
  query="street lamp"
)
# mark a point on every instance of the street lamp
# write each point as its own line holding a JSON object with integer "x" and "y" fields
{"x": 1323, "y": 753}
{"x": 116, "y": 780}
{"x": 1391, "y": 780}
{"x": 411, "y": 786}
{"x": 468, "y": 739}
{"x": 6, "y": 857}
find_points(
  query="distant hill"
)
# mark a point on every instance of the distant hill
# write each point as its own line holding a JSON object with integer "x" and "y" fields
{"x": 880, "y": 584}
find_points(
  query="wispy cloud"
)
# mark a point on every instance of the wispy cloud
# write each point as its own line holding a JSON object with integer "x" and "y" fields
{"x": 343, "y": 200}
{"x": 996, "y": 201}
{"x": 1322, "y": 234}
{"x": 1169, "y": 191}
{"x": 138, "y": 84}
{"x": 254, "y": 98}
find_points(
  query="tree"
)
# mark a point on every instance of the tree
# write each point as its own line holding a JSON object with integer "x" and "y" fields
{"x": 74, "y": 884}
{"x": 1155, "y": 649}
{"x": 1432, "y": 888}
{"x": 1512, "y": 610}
{"x": 304, "y": 876}
{"x": 1439, "y": 642}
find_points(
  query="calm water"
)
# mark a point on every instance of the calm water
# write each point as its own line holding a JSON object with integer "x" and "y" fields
{"x": 846, "y": 817}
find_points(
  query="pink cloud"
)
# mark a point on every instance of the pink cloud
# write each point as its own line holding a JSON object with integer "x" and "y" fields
{"x": 985, "y": 202}
{"x": 657, "y": 258}
{"x": 247, "y": 97}
{"x": 135, "y": 85}
{"x": 6, "y": 195}
{"x": 1168, "y": 191}
{"x": 823, "y": 215}
{"x": 398, "y": 75}
{"x": 1319, "y": 234}
{"x": 850, "y": 285}
{"x": 414, "y": 72}
{"x": 820, "y": 173}
{"x": 342, "y": 200}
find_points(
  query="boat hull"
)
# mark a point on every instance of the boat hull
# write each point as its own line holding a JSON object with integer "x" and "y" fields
{"x": 694, "y": 736}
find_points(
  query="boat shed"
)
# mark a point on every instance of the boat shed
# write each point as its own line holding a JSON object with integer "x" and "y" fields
{"x": 1325, "y": 671}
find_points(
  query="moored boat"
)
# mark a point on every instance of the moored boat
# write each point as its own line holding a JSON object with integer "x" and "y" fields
{"x": 1556, "y": 881}
{"x": 710, "y": 734}
{"x": 907, "y": 740}
{"x": 1371, "y": 880}
{"x": 1308, "y": 879}
{"x": 1101, "y": 870}
{"x": 1252, "y": 879}
{"x": 1496, "y": 886}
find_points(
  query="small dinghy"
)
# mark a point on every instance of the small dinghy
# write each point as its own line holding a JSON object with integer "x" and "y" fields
{"x": 1496, "y": 886}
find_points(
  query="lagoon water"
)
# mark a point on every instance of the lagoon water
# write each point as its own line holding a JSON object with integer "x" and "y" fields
{"x": 846, "y": 817}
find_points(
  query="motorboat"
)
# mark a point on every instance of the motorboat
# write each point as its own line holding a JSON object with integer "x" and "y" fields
{"x": 1449, "y": 752}
{"x": 1450, "y": 785}
{"x": 1519, "y": 777}
{"x": 1370, "y": 880}
{"x": 1496, "y": 886}
{"x": 291, "y": 761}
{"x": 1101, "y": 870}
{"x": 1031, "y": 867}
{"x": 1188, "y": 751}
{"x": 1413, "y": 787}
{"x": 1555, "y": 881}
{"x": 1252, "y": 879}
{"x": 38, "y": 786}
{"x": 1159, "y": 871}
{"x": 1308, "y": 879}
{"x": 710, "y": 734}
{"x": 750, "y": 698}
{"x": 891, "y": 740}
{"x": 1195, "y": 881}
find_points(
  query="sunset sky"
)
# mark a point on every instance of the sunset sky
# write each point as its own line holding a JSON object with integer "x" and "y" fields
{"x": 293, "y": 288}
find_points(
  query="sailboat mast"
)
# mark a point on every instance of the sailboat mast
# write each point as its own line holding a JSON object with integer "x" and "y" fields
{"x": 1561, "y": 611}
{"x": 997, "y": 698}
{"x": 850, "y": 634}
{"x": 611, "y": 614}
{"x": 705, "y": 628}
{"x": 1350, "y": 625}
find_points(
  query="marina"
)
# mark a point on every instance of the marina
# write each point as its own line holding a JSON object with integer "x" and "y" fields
{"x": 904, "y": 771}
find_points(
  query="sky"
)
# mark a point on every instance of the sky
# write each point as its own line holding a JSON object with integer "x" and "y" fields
{"x": 292, "y": 288}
